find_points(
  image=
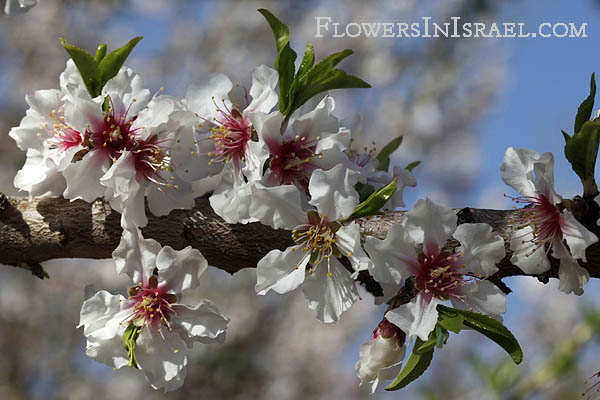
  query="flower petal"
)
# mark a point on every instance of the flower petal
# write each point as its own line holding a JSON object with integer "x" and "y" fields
{"x": 332, "y": 192}
{"x": 388, "y": 255}
{"x": 516, "y": 170}
{"x": 180, "y": 269}
{"x": 578, "y": 237}
{"x": 526, "y": 256}
{"x": 201, "y": 323}
{"x": 484, "y": 297}
{"x": 572, "y": 276}
{"x": 330, "y": 296}
{"x": 277, "y": 206}
{"x": 417, "y": 318}
{"x": 347, "y": 239}
{"x": 262, "y": 91}
{"x": 282, "y": 271}
{"x": 136, "y": 256}
{"x": 430, "y": 224}
{"x": 482, "y": 248}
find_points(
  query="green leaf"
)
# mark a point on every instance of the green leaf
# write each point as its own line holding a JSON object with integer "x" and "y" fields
{"x": 584, "y": 112}
{"x": 100, "y": 53}
{"x": 284, "y": 62}
{"x": 581, "y": 150}
{"x": 129, "y": 337}
{"x": 323, "y": 77}
{"x": 307, "y": 61}
{"x": 450, "y": 320}
{"x": 384, "y": 155}
{"x": 415, "y": 366}
{"x": 427, "y": 346}
{"x": 491, "y": 328}
{"x": 110, "y": 64}
{"x": 374, "y": 202}
{"x": 364, "y": 191}
{"x": 412, "y": 165}
{"x": 87, "y": 67}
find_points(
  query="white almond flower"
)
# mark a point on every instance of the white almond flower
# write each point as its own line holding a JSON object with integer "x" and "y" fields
{"x": 320, "y": 240}
{"x": 128, "y": 138}
{"x": 381, "y": 358}
{"x": 312, "y": 141}
{"x": 45, "y": 135}
{"x": 222, "y": 122}
{"x": 157, "y": 319}
{"x": 544, "y": 224}
{"x": 458, "y": 276}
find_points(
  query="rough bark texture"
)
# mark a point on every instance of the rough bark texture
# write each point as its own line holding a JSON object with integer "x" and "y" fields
{"x": 32, "y": 231}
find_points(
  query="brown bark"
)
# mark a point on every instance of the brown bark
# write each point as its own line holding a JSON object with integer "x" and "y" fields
{"x": 33, "y": 231}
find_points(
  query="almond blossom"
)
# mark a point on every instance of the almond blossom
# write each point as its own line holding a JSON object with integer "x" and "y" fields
{"x": 116, "y": 146}
{"x": 161, "y": 314}
{"x": 545, "y": 224}
{"x": 381, "y": 358}
{"x": 321, "y": 239}
{"x": 439, "y": 274}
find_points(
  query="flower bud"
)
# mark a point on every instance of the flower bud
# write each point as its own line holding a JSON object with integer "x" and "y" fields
{"x": 381, "y": 357}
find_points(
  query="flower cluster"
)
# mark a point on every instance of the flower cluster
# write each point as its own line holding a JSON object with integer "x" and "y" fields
{"x": 286, "y": 162}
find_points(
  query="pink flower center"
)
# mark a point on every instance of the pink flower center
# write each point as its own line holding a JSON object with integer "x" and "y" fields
{"x": 114, "y": 135}
{"x": 150, "y": 160}
{"x": 63, "y": 137}
{"x": 440, "y": 274}
{"x": 387, "y": 330}
{"x": 291, "y": 161}
{"x": 361, "y": 158}
{"x": 544, "y": 218}
{"x": 151, "y": 305}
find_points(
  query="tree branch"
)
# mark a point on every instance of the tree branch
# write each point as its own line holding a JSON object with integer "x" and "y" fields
{"x": 33, "y": 231}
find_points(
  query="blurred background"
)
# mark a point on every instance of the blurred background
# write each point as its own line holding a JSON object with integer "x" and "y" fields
{"x": 458, "y": 102}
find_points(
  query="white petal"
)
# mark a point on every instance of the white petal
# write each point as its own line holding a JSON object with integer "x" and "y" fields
{"x": 347, "y": 239}
{"x": 388, "y": 255}
{"x": 83, "y": 178}
{"x": 127, "y": 93}
{"x": 578, "y": 237}
{"x": 180, "y": 269}
{"x": 39, "y": 177}
{"x": 136, "y": 256}
{"x": 332, "y": 192}
{"x": 482, "y": 248}
{"x": 100, "y": 315}
{"x": 430, "y": 223}
{"x": 525, "y": 255}
{"x": 231, "y": 201}
{"x": 516, "y": 170}
{"x": 202, "y": 97}
{"x": 177, "y": 197}
{"x": 201, "y": 323}
{"x": 417, "y": 318}
{"x": 572, "y": 276}
{"x": 330, "y": 296}
{"x": 484, "y": 297}
{"x": 264, "y": 97}
{"x": 162, "y": 359}
{"x": 281, "y": 271}
{"x": 108, "y": 351}
{"x": 317, "y": 123}
{"x": 544, "y": 177}
{"x": 278, "y": 206}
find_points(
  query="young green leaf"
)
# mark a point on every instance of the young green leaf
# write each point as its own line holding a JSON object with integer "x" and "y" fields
{"x": 110, "y": 64}
{"x": 491, "y": 328}
{"x": 100, "y": 53}
{"x": 129, "y": 338}
{"x": 307, "y": 61}
{"x": 374, "y": 202}
{"x": 581, "y": 150}
{"x": 441, "y": 336}
{"x": 415, "y": 366}
{"x": 412, "y": 165}
{"x": 584, "y": 112}
{"x": 384, "y": 155}
{"x": 87, "y": 67}
{"x": 323, "y": 77}
{"x": 284, "y": 62}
